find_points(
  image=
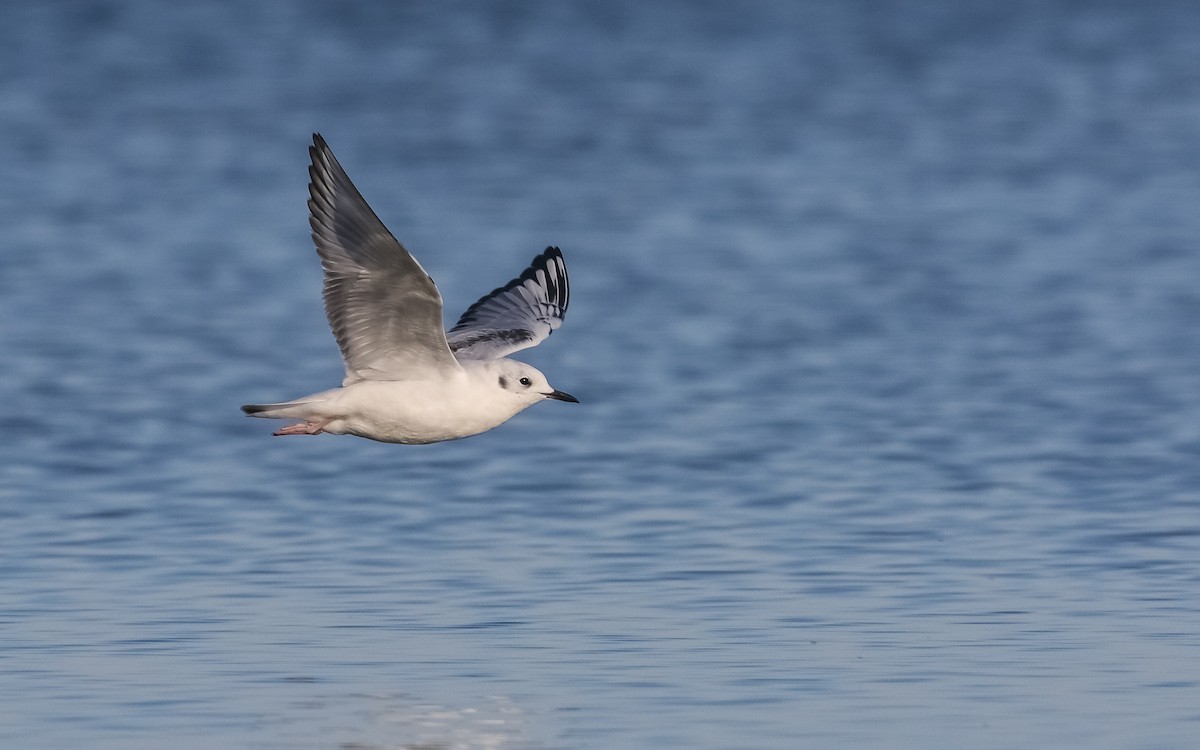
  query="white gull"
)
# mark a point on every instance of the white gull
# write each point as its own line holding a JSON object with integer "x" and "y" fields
{"x": 408, "y": 380}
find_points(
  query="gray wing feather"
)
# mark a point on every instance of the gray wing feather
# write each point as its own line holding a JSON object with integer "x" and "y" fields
{"x": 516, "y": 316}
{"x": 385, "y": 311}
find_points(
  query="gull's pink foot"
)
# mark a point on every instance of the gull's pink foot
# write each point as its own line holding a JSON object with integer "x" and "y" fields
{"x": 304, "y": 428}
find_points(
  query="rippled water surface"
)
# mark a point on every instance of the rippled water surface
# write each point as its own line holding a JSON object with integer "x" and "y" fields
{"x": 885, "y": 321}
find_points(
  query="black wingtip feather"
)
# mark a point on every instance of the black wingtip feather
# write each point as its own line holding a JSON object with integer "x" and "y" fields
{"x": 557, "y": 285}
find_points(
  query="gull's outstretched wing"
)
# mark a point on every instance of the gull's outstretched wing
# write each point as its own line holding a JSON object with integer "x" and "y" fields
{"x": 385, "y": 311}
{"x": 518, "y": 315}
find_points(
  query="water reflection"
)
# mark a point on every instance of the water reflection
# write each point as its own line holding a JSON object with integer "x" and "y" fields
{"x": 400, "y": 723}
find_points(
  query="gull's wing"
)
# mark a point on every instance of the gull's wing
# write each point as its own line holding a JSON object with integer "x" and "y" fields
{"x": 518, "y": 315}
{"x": 385, "y": 311}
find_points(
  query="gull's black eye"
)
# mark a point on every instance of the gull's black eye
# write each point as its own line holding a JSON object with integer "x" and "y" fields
{"x": 525, "y": 382}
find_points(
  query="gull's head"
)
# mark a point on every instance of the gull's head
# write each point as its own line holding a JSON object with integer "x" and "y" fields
{"x": 525, "y": 383}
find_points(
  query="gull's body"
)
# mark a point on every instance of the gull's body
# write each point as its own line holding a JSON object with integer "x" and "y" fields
{"x": 407, "y": 380}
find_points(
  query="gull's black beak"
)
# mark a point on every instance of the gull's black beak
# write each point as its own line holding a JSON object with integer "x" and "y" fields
{"x": 560, "y": 396}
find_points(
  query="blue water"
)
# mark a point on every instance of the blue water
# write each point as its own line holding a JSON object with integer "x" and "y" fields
{"x": 885, "y": 321}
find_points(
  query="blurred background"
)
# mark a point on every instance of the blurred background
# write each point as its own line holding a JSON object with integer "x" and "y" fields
{"x": 885, "y": 320}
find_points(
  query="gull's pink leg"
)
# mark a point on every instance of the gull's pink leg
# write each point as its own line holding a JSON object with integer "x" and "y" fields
{"x": 304, "y": 428}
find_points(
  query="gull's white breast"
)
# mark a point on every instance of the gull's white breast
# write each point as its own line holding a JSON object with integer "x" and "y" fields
{"x": 416, "y": 411}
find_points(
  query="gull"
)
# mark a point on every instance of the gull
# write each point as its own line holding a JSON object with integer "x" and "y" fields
{"x": 408, "y": 380}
